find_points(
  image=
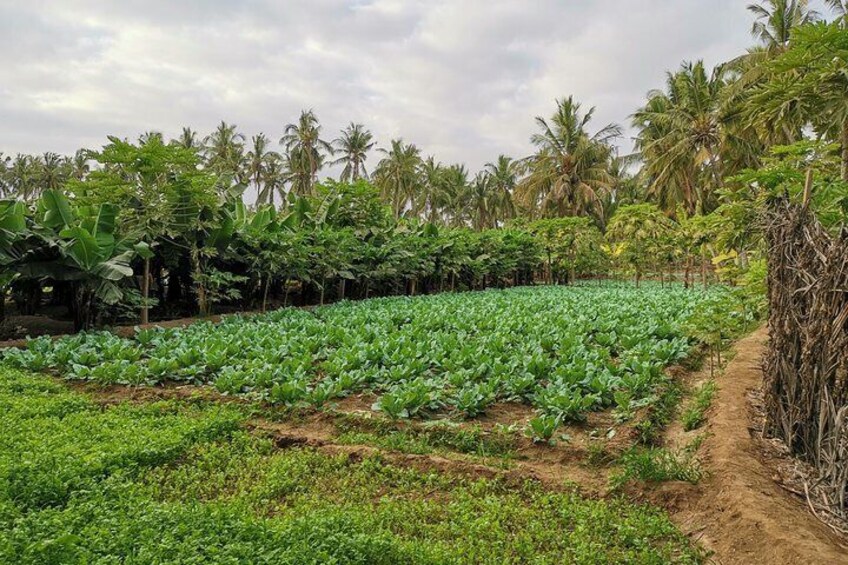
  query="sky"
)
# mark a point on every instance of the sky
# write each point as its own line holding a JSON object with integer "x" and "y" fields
{"x": 462, "y": 79}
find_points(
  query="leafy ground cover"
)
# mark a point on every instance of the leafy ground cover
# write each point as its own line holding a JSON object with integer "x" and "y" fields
{"x": 185, "y": 483}
{"x": 564, "y": 350}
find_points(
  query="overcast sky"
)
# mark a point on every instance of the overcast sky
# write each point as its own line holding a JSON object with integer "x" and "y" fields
{"x": 462, "y": 79}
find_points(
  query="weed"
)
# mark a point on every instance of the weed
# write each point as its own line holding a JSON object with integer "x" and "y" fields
{"x": 694, "y": 415}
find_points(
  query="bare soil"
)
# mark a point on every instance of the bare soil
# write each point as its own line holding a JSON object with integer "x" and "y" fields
{"x": 740, "y": 512}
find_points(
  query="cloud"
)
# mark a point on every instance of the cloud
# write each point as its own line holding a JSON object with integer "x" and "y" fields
{"x": 463, "y": 80}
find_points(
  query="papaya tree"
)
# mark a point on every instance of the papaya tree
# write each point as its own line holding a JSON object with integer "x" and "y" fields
{"x": 636, "y": 233}
{"x": 162, "y": 192}
{"x": 571, "y": 245}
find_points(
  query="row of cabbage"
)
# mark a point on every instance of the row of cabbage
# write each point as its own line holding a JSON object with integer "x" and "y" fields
{"x": 565, "y": 350}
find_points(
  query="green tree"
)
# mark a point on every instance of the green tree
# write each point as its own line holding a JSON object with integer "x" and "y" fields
{"x": 224, "y": 152}
{"x": 398, "y": 175}
{"x": 23, "y": 178}
{"x": 773, "y": 27}
{"x": 354, "y": 144}
{"x": 637, "y": 233}
{"x": 776, "y": 20}
{"x": 188, "y": 140}
{"x": 811, "y": 78}
{"x": 80, "y": 245}
{"x": 5, "y": 188}
{"x": 164, "y": 196}
{"x": 504, "y": 174}
{"x": 570, "y": 169}
{"x": 571, "y": 246}
{"x": 260, "y": 159}
{"x": 305, "y": 152}
{"x": 684, "y": 142}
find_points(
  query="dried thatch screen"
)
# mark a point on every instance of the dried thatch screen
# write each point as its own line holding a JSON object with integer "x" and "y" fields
{"x": 806, "y": 367}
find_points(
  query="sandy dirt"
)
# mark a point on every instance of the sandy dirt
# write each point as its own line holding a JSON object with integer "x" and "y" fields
{"x": 739, "y": 511}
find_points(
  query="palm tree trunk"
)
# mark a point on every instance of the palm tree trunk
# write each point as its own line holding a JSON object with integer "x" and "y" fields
{"x": 265, "y": 292}
{"x": 550, "y": 274}
{"x": 845, "y": 150}
{"x": 200, "y": 288}
{"x": 145, "y": 291}
{"x": 689, "y": 276}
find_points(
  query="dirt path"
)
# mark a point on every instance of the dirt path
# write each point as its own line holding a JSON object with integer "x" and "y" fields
{"x": 740, "y": 512}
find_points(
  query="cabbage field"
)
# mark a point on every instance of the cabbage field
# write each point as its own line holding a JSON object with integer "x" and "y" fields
{"x": 564, "y": 350}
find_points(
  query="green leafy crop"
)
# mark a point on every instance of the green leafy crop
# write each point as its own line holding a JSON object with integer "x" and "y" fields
{"x": 564, "y": 350}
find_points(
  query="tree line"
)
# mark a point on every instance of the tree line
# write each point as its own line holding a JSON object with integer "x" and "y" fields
{"x": 186, "y": 223}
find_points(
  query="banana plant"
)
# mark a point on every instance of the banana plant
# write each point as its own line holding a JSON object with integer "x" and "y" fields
{"x": 80, "y": 246}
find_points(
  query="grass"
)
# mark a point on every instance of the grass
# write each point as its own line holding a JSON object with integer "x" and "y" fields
{"x": 428, "y": 437}
{"x": 695, "y": 414}
{"x": 659, "y": 412}
{"x": 177, "y": 483}
{"x": 656, "y": 465}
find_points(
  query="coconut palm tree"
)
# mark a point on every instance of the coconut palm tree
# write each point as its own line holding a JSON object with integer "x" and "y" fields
{"x": 685, "y": 143}
{"x": 79, "y": 164}
{"x": 354, "y": 144}
{"x": 627, "y": 188}
{"x": 775, "y": 20}
{"x": 398, "y": 175}
{"x": 224, "y": 151}
{"x": 53, "y": 171}
{"x": 257, "y": 161}
{"x": 5, "y": 189}
{"x": 839, "y": 9}
{"x": 504, "y": 175}
{"x": 188, "y": 139}
{"x": 25, "y": 177}
{"x": 305, "y": 151}
{"x": 453, "y": 194}
{"x": 274, "y": 177}
{"x": 429, "y": 201}
{"x": 150, "y": 136}
{"x": 482, "y": 202}
{"x": 569, "y": 170}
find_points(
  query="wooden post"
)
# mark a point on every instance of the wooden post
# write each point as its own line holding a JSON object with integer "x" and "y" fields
{"x": 808, "y": 187}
